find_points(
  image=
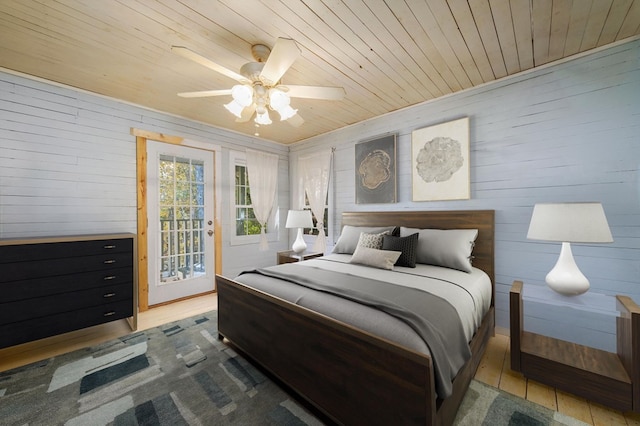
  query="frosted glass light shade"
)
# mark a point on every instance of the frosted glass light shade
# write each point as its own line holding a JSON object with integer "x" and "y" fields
{"x": 263, "y": 118}
{"x": 299, "y": 219}
{"x": 234, "y": 108}
{"x": 567, "y": 223}
{"x": 286, "y": 112}
{"x": 242, "y": 94}
{"x": 278, "y": 99}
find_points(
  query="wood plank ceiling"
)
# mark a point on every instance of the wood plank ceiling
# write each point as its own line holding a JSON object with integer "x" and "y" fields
{"x": 387, "y": 54}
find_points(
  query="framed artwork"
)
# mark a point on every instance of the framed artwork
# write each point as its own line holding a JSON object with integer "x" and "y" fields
{"x": 440, "y": 162}
{"x": 376, "y": 170}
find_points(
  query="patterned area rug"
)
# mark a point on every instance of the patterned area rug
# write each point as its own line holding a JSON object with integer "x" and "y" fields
{"x": 180, "y": 374}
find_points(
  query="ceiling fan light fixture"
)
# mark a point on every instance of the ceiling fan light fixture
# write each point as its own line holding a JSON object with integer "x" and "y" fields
{"x": 234, "y": 108}
{"x": 242, "y": 94}
{"x": 263, "y": 118}
{"x": 279, "y": 101}
{"x": 287, "y": 112}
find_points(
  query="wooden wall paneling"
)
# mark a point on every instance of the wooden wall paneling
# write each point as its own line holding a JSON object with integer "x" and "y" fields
{"x": 534, "y": 138}
{"x": 521, "y": 14}
{"x": 467, "y": 26}
{"x": 69, "y": 165}
{"x": 561, "y": 15}
{"x": 486, "y": 28}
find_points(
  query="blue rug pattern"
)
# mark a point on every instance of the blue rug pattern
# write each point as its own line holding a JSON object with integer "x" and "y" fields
{"x": 176, "y": 374}
{"x": 181, "y": 374}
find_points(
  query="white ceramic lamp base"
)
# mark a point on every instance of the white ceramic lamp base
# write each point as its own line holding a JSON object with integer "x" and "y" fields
{"x": 299, "y": 245}
{"x": 565, "y": 278}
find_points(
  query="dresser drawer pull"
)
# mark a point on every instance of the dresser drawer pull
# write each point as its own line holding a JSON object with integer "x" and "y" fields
{"x": 110, "y": 277}
{"x": 108, "y": 314}
{"x": 109, "y": 261}
{"x": 110, "y": 246}
{"x": 107, "y": 295}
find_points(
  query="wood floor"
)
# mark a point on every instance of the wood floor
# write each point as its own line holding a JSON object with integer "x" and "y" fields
{"x": 494, "y": 369}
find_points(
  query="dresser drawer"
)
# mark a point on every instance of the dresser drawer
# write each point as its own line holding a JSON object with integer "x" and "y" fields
{"x": 47, "y": 286}
{"x": 10, "y": 253}
{"x": 67, "y": 266}
{"x": 25, "y": 309}
{"x": 37, "y": 328}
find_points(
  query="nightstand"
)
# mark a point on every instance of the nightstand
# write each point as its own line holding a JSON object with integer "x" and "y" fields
{"x": 609, "y": 377}
{"x": 290, "y": 256}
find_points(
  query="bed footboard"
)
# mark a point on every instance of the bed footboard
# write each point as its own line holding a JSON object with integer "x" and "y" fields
{"x": 351, "y": 376}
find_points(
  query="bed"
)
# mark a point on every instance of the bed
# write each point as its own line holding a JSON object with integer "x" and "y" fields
{"x": 350, "y": 374}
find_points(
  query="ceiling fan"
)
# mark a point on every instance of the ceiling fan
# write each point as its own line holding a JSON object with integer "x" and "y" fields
{"x": 260, "y": 87}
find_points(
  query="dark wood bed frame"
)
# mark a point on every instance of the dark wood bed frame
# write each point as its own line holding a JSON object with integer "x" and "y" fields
{"x": 351, "y": 376}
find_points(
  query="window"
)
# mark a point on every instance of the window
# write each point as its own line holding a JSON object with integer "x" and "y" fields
{"x": 325, "y": 221}
{"x": 247, "y": 228}
{"x": 246, "y": 223}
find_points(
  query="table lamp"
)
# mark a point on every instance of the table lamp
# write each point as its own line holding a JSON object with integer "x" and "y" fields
{"x": 299, "y": 219}
{"x": 569, "y": 223}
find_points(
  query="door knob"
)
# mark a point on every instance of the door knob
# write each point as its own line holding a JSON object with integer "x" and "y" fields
{"x": 210, "y": 232}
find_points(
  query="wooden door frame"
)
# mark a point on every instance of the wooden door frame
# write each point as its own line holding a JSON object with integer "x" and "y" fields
{"x": 141, "y": 182}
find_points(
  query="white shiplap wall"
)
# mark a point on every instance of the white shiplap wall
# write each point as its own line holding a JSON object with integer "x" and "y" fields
{"x": 68, "y": 165}
{"x": 567, "y": 132}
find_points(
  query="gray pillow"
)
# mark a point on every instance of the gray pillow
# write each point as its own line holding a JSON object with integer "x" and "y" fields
{"x": 350, "y": 235}
{"x": 382, "y": 259}
{"x": 450, "y": 248}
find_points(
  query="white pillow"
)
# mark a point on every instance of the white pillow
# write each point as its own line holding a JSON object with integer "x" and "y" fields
{"x": 382, "y": 259}
{"x": 350, "y": 235}
{"x": 450, "y": 248}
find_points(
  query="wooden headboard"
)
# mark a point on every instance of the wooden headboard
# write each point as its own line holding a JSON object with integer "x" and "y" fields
{"x": 482, "y": 220}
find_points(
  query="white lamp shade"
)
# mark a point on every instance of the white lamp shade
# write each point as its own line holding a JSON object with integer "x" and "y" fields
{"x": 569, "y": 222}
{"x": 299, "y": 219}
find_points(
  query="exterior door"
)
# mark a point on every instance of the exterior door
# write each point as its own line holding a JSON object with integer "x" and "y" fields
{"x": 180, "y": 200}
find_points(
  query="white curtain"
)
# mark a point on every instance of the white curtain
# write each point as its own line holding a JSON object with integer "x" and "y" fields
{"x": 262, "y": 169}
{"x": 315, "y": 171}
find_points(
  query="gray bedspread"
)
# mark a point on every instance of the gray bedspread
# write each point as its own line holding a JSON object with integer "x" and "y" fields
{"x": 432, "y": 317}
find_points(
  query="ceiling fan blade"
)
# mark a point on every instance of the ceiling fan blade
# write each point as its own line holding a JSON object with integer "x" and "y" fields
{"x": 282, "y": 56}
{"x": 205, "y": 93}
{"x": 296, "y": 120}
{"x": 190, "y": 54}
{"x": 315, "y": 92}
{"x": 247, "y": 113}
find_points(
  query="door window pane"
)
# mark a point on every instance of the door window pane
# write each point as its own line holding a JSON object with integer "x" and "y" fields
{"x": 181, "y": 198}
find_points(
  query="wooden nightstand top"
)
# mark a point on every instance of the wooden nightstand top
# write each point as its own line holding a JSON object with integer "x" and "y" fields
{"x": 289, "y": 256}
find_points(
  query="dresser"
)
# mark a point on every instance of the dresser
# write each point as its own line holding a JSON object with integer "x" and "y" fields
{"x": 54, "y": 285}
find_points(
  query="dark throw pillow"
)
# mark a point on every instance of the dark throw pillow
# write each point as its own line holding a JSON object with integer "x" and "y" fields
{"x": 407, "y": 245}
